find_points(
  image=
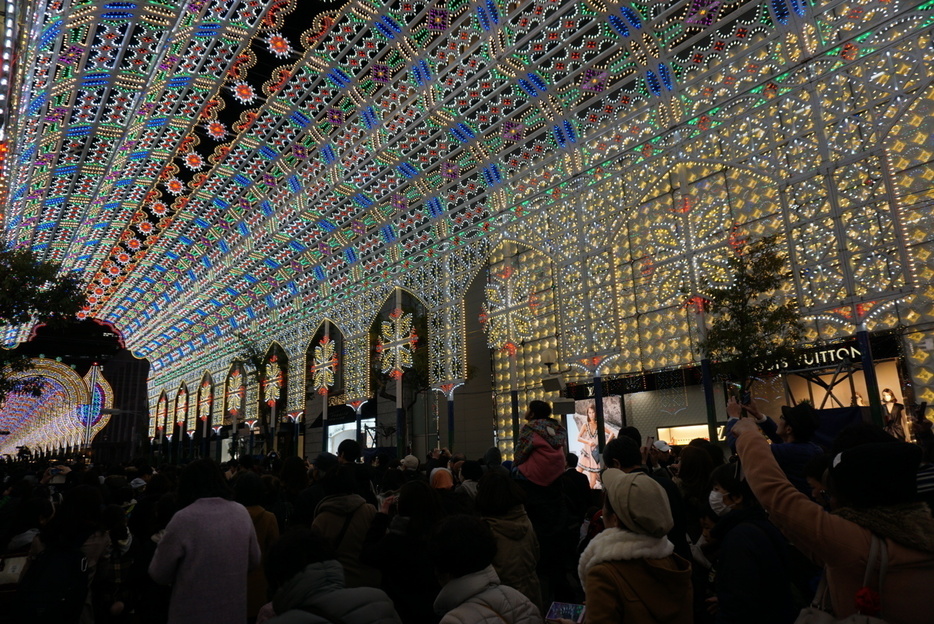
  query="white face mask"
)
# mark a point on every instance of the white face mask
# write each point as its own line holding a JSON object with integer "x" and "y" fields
{"x": 716, "y": 503}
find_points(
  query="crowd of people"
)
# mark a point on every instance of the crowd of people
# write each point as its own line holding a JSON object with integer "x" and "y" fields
{"x": 672, "y": 535}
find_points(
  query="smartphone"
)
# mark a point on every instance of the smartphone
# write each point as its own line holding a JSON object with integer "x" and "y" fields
{"x": 566, "y": 611}
{"x": 649, "y": 442}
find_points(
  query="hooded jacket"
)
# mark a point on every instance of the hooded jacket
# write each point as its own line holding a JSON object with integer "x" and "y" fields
{"x": 479, "y": 598}
{"x": 517, "y": 553}
{"x": 317, "y": 595}
{"x": 350, "y": 510}
{"x": 840, "y": 541}
{"x": 636, "y": 579}
{"x": 540, "y": 455}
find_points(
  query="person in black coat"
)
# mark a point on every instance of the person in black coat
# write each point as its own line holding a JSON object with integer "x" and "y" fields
{"x": 397, "y": 544}
{"x": 751, "y": 557}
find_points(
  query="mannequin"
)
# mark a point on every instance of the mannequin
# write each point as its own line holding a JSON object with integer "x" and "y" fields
{"x": 895, "y": 417}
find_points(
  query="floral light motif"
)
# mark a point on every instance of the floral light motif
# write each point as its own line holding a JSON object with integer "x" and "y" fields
{"x": 236, "y": 391}
{"x": 438, "y": 19}
{"x": 397, "y": 340}
{"x": 594, "y": 80}
{"x": 174, "y": 186}
{"x": 703, "y": 12}
{"x": 216, "y": 130}
{"x": 194, "y": 161}
{"x": 205, "y": 399}
{"x": 509, "y": 311}
{"x": 325, "y": 363}
{"x": 278, "y": 45}
{"x": 272, "y": 381}
{"x": 380, "y": 73}
{"x": 243, "y": 93}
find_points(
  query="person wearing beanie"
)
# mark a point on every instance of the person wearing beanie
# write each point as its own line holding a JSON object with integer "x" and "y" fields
{"x": 629, "y": 571}
{"x": 872, "y": 492}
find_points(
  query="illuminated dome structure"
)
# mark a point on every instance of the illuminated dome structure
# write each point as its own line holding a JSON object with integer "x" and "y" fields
{"x": 66, "y": 415}
{"x": 231, "y": 172}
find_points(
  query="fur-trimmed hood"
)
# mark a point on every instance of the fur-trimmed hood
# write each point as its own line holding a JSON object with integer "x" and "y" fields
{"x": 910, "y": 525}
{"x": 617, "y": 544}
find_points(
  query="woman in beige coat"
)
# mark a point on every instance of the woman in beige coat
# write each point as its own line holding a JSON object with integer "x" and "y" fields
{"x": 872, "y": 488}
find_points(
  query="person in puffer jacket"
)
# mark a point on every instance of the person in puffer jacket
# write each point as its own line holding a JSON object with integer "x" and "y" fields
{"x": 462, "y": 550}
{"x": 309, "y": 586}
{"x": 500, "y": 503}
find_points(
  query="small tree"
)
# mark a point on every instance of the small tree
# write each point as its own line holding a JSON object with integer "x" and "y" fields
{"x": 32, "y": 291}
{"x": 753, "y": 329}
{"x": 254, "y": 361}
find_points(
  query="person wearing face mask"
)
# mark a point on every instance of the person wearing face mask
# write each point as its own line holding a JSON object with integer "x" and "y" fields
{"x": 751, "y": 556}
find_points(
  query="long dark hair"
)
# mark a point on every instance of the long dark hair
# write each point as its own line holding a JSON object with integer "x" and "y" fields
{"x": 201, "y": 478}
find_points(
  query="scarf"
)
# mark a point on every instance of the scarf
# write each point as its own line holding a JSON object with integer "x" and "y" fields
{"x": 910, "y": 525}
{"x": 616, "y": 544}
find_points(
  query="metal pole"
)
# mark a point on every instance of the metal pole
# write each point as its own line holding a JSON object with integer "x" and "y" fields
{"x": 598, "y": 403}
{"x": 707, "y": 378}
{"x": 400, "y": 413}
{"x": 88, "y": 416}
{"x": 451, "y": 421}
{"x": 272, "y": 446}
{"x": 869, "y": 375}
{"x": 514, "y": 399}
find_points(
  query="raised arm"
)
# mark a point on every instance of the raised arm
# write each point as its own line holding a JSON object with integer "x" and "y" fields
{"x": 824, "y": 537}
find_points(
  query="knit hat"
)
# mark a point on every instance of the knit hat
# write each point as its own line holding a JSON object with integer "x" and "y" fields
{"x": 409, "y": 462}
{"x": 137, "y": 483}
{"x": 639, "y": 502}
{"x": 877, "y": 475}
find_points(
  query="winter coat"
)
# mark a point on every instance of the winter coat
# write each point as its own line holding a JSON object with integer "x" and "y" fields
{"x": 635, "y": 579}
{"x": 205, "y": 554}
{"x": 404, "y": 560}
{"x": 840, "y": 541}
{"x": 752, "y": 574}
{"x": 540, "y": 454}
{"x": 317, "y": 595}
{"x": 267, "y": 533}
{"x": 333, "y": 514}
{"x": 517, "y": 553}
{"x": 479, "y": 598}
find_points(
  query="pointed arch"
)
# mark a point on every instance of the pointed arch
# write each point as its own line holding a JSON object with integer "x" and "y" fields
{"x": 324, "y": 360}
{"x": 234, "y": 394}
{"x": 180, "y": 411}
{"x": 161, "y": 419}
{"x": 273, "y": 387}
{"x": 205, "y": 405}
